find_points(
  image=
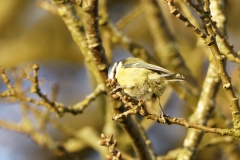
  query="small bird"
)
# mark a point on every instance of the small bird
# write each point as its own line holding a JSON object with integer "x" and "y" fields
{"x": 140, "y": 80}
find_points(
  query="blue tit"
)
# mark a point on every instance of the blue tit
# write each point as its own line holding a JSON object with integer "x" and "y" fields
{"x": 140, "y": 80}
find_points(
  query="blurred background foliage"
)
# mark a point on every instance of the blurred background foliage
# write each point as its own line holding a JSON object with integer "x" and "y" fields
{"x": 29, "y": 34}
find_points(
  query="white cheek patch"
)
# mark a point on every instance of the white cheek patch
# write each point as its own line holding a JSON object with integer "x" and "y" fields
{"x": 119, "y": 65}
{"x": 113, "y": 70}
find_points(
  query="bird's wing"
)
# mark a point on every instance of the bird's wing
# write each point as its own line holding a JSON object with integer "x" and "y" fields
{"x": 161, "y": 71}
{"x": 152, "y": 67}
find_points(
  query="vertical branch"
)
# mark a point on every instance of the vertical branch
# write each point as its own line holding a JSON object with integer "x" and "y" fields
{"x": 145, "y": 137}
{"x": 106, "y": 33}
{"x": 194, "y": 137}
{"x": 220, "y": 63}
{"x": 96, "y": 50}
{"x": 210, "y": 87}
{"x": 202, "y": 113}
{"x": 219, "y": 15}
{"x": 75, "y": 26}
{"x": 90, "y": 8}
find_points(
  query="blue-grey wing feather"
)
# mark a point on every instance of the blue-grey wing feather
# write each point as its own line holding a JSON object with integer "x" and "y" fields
{"x": 152, "y": 67}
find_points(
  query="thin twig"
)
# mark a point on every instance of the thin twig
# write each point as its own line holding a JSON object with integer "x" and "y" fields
{"x": 129, "y": 17}
{"x": 56, "y": 107}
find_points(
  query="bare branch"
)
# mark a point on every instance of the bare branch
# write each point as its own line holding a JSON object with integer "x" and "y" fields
{"x": 56, "y": 107}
